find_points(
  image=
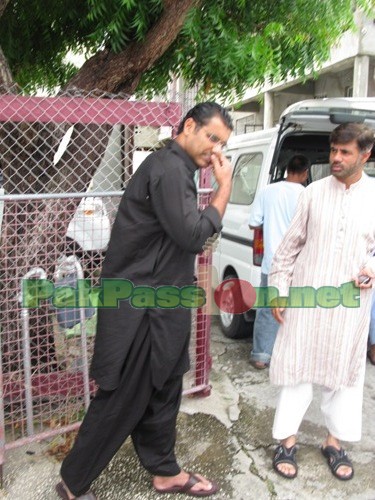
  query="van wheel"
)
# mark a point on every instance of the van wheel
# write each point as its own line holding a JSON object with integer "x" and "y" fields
{"x": 234, "y": 326}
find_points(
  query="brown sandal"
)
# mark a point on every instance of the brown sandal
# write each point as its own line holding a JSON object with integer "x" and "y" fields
{"x": 187, "y": 488}
{"x": 61, "y": 491}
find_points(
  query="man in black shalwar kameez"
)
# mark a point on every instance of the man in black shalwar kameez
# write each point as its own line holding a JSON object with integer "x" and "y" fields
{"x": 141, "y": 353}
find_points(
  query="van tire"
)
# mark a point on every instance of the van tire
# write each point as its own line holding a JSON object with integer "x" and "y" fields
{"x": 234, "y": 326}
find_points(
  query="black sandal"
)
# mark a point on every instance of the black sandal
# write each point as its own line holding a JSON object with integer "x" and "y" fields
{"x": 285, "y": 455}
{"x": 335, "y": 459}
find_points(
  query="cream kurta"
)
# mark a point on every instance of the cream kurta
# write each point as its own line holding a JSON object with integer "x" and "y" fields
{"x": 331, "y": 237}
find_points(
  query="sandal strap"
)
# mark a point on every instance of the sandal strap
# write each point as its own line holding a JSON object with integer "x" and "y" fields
{"x": 190, "y": 483}
{"x": 337, "y": 458}
{"x": 284, "y": 455}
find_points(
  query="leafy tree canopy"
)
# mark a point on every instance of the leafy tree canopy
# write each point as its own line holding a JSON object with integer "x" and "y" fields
{"x": 224, "y": 46}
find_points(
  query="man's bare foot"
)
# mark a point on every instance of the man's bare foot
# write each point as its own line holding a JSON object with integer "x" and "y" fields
{"x": 191, "y": 482}
{"x": 259, "y": 365}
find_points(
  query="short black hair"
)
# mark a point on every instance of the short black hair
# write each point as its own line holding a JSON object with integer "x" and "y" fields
{"x": 352, "y": 131}
{"x": 298, "y": 164}
{"x": 203, "y": 112}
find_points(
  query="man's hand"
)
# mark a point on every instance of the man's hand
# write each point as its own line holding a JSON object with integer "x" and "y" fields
{"x": 278, "y": 307}
{"x": 221, "y": 168}
{"x": 360, "y": 281}
{"x": 277, "y": 313}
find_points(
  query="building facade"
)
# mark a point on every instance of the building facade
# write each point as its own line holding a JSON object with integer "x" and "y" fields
{"x": 350, "y": 72}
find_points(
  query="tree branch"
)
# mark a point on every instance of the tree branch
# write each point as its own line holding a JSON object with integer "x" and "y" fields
{"x": 110, "y": 72}
{"x": 3, "y": 4}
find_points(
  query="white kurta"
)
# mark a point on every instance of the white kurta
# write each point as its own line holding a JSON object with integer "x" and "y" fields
{"x": 331, "y": 237}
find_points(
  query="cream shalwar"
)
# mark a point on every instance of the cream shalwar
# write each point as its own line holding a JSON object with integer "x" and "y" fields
{"x": 331, "y": 237}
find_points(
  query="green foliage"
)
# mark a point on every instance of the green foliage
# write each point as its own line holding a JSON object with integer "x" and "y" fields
{"x": 228, "y": 45}
{"x": 223, "y": 47}
{"x": 36, "y": 35}
{"x": 118, "y": 22}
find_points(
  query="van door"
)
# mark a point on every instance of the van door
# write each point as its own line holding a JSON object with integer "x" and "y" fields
{"x": 305, "y": 127}
{"x": 234, "y": 254}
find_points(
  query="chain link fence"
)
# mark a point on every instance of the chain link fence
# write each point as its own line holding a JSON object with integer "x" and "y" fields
{"x": 65, "y": 162}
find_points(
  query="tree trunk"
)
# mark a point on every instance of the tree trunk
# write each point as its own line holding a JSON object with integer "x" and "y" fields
{"x": 3, "y": 5}
{"x": 110, "y": 72}
{"x": 6, "y": 78}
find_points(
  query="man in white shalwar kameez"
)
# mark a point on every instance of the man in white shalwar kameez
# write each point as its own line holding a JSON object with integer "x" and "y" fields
{"x": 328, "y": 247}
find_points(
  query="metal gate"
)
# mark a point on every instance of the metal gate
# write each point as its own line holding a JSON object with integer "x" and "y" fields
{"x": 65, "y": 162}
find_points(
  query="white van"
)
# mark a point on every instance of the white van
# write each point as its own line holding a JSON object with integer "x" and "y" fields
{"x": 260, "y": 158}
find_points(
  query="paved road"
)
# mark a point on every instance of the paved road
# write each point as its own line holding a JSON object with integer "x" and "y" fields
{"x": 226, "y": 436}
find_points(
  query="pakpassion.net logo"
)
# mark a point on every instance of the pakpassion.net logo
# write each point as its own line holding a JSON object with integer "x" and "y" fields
{"x": 232, "y": 295}
{"x": 238, "y": 296}
{"x": 109, "y": 294}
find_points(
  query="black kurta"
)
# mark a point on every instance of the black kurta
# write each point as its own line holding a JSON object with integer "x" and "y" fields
{"x": 157, "y": 233}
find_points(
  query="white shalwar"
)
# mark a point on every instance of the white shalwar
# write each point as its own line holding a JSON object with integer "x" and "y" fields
{"x": 331, "y": 237}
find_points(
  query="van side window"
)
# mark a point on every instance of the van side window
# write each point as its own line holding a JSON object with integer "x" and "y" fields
{"x": 370, "y": 168}
{"x": 319, "y": 171}
{"x": 245, "y": 178}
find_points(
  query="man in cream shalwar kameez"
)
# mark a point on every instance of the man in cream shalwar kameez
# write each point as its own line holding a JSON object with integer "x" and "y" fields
{"x": 329, "y": 243}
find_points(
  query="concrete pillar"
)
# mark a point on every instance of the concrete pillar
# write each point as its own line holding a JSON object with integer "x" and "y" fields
{"x": 361, "y": 76}
{"x": 268, "y": 118}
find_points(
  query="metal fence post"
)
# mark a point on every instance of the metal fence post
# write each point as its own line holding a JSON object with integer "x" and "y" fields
{"x": 85, "y": 363}
{"x": 66, "y": 264}
{"x": 2, "y": 418}
{"x": 203, "y": 326}
{"x": 34, "y": 273}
